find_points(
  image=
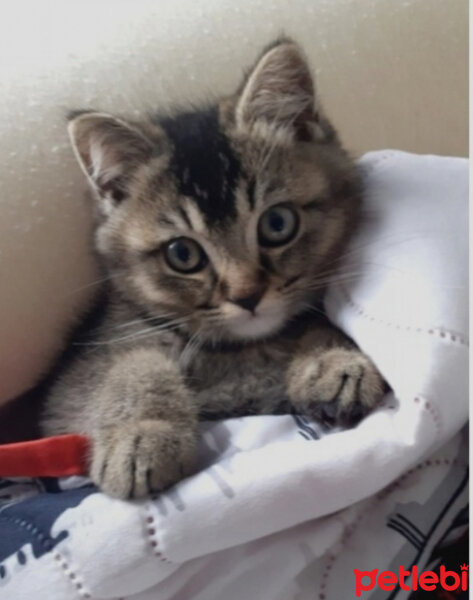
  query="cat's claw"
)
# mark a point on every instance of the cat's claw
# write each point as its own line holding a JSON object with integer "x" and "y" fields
{"x": 134, "y": 460}
{"x": 337, "y": 387}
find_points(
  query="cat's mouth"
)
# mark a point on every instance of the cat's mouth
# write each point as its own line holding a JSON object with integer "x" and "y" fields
{"x": 253, "y": 326}
{"x": 265, "y": 320}
{"x": 230, "y": 322}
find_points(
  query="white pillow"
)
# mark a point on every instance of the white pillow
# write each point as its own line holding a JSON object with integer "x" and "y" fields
{"x": 408, "y": 308}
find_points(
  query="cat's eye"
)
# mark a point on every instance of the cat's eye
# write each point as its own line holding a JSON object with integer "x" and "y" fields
{"x": 278, "y": 225}
{"x": 185, "y": 255}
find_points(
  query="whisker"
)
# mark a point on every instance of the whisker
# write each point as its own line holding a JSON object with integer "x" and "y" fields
{"x": 323, "y": 283}
{"x": 140, "y": 335}
{"x": 142, "y": 320}
{"x": 93, "y": 283}
{"x": 190, "y": 349}
{"x": 358, "y": 249}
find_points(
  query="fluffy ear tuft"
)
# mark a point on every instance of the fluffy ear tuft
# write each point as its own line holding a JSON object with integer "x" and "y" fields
{"x": 108, "y": 150}
{"x": 280, "y": 92}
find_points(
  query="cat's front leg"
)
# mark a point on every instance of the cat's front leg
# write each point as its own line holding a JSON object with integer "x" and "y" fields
{"x": 145, "y": 428}
{"x": 335, "y": 384}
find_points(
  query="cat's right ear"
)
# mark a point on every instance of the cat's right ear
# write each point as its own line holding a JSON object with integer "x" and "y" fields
{"x": 108, "y": 150}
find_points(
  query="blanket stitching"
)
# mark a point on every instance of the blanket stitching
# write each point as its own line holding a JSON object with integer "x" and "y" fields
{"x": 150, "y": 527}
{"x": 46, "y": 541}
{"x": 436, "y": 331}
{"x": 79, "y": 585}
{"x": 350, "y": 529}
{"x": 432, "y": 410}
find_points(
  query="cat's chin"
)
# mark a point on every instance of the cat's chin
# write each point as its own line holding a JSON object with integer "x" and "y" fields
{"x": 254, "y": 327}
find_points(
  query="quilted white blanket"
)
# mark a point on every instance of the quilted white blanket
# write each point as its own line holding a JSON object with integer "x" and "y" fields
{"x": 278, "y": 510}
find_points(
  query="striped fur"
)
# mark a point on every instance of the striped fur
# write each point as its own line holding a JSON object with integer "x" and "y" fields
{"x": 241, "y": 335}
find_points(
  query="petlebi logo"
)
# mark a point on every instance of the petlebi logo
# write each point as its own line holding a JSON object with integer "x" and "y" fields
{"x": 411, "y": 580}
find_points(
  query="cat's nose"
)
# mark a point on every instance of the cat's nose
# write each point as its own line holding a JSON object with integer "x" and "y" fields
{"x": 249, "y": 302}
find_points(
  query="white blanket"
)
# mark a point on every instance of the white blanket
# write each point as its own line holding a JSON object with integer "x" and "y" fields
{"x": 279, "y": 511}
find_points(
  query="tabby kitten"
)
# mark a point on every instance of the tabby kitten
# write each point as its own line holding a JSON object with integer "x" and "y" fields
{"x": 216, "y": 230}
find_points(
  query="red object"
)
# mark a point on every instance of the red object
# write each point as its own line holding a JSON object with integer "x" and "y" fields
{"x": 57, "y": 456}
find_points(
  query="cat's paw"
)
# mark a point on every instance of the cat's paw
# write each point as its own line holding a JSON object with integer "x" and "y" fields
{"x": 337, "y": 387}
{"x": 136, "y": 459}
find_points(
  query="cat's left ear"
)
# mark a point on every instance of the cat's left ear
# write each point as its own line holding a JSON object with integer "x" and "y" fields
{"x": 279, "y": 93}
{"x": 108, "y": 149}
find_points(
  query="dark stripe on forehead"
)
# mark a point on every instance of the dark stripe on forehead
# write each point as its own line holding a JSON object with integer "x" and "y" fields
{"x": 185, "y": 217}
{"x": 203, "y": 163}
{"x": 251, "y": 193}
{"x": 163, "y": 220}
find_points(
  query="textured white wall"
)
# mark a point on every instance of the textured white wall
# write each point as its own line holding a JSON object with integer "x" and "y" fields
{"x": 391, "y": 73}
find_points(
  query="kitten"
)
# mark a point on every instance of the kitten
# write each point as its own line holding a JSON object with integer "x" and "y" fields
{"x": 217, "y": 230}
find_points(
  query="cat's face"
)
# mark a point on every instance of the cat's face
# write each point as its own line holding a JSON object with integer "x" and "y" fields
{"x": 226, "y": 220}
